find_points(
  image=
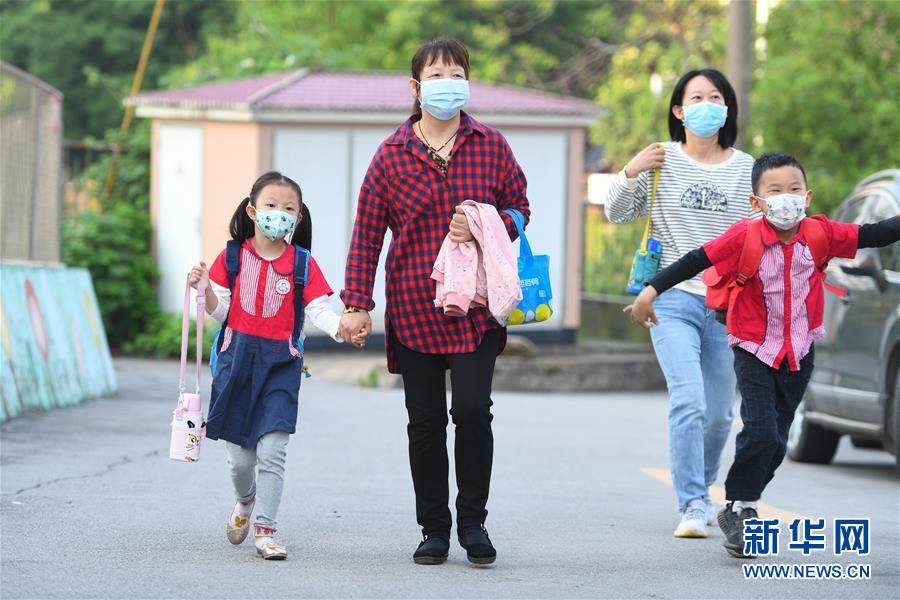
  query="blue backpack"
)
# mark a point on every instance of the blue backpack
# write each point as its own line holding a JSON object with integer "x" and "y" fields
{"x": 233, "y": 267}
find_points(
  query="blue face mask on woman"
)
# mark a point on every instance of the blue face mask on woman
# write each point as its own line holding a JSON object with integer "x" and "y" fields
{"x": 443, "y": 98}
{"x": 705, "y": 119}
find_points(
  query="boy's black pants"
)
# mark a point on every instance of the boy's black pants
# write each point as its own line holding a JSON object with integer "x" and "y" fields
{"x": 769, "y": 398}
{"x": 424, "y": 382}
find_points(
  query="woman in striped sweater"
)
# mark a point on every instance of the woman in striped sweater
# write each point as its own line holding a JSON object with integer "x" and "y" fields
{"x": 704, "y": 187}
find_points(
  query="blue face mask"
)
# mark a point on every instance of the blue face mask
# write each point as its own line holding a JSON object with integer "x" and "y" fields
{"x": 443, "y": 98}
{"x": 705, "y": 119}
{"x": 275, "y": 224}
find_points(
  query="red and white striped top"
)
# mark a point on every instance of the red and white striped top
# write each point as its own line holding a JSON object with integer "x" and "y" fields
{"x": 785, "y": 272}
{"x": 265, "y": 290}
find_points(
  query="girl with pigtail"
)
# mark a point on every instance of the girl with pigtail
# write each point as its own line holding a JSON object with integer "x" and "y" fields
{"x": 262, "y": 287}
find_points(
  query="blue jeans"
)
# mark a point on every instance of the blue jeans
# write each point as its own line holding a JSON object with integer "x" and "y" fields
{"x": 693, "y": 352}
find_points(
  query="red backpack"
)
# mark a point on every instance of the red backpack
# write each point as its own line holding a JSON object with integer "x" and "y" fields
{"x": 722, "y": 291}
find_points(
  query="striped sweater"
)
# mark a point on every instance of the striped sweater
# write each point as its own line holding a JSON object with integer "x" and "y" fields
{"x": 695, "y": 202}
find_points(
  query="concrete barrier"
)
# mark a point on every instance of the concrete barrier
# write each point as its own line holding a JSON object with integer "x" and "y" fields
{"x": 53, "y": 349}
{"x": 586, "y": 368}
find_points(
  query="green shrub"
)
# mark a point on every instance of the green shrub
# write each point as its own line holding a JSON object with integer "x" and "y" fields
{"x": 162, "y": 338}
{"x": 112, "y": 240}
{"x": 115, "y": 247}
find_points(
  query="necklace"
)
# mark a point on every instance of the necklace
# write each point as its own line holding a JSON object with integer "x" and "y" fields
{"x": 441, "y": 162}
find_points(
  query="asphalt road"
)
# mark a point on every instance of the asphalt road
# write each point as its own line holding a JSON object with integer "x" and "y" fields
{"x": 92, "y": 507}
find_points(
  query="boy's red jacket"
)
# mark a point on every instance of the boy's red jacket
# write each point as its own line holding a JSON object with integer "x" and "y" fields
{"x": 779, "y": 313}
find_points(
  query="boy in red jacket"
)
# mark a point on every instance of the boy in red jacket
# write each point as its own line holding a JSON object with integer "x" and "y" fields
{"x": 774, "y": 320}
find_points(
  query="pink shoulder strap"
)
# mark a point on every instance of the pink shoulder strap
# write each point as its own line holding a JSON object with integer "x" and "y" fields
{"x": 186, "y": 327}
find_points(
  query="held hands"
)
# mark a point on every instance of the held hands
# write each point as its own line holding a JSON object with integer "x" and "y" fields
{"x": 355, "y": 327}
{"x": 459, "y": 227}
{"x": 651, "y": 157}
{"x": 641, "y": 310}
{"x": 197, "y": 273}
{"x": 359, "y": 338}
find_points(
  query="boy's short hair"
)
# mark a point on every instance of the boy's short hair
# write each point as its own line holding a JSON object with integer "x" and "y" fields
{"x": 773, "y": 160}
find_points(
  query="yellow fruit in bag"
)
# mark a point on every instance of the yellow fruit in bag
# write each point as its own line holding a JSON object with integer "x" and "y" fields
{"x": 517, "y": 317}
{"x": 542, "y": 313}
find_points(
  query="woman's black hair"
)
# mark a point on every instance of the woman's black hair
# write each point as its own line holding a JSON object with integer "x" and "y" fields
{"x": 728, "y": 132}
{"x": 242, "y": 226}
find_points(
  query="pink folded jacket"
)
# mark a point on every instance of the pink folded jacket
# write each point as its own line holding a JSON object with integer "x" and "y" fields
{"x": 483, "y": 272}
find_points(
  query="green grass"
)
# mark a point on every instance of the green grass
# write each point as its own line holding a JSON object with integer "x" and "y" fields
{"x": 608, "y": 251}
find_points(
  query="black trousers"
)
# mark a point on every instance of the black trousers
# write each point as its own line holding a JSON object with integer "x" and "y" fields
{"x": 769, "y": 398}
{"x": 424, "y": 381}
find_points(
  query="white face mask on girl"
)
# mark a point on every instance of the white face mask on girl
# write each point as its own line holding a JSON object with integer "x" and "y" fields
{"x": 785, "y": 210}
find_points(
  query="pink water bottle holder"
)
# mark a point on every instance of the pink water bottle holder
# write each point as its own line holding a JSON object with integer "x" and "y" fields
{"x": 188, "y": 422}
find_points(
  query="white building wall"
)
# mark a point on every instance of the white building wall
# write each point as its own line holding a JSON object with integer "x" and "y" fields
{"x": 365, "y": 143}
{"x": 330, "y": 164}
{"x": 318, "y": 160}
{"x": 178, "y": 234}
{"x": 544, "y": 159}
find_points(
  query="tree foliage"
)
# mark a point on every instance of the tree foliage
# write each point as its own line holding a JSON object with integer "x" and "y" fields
{"x": 826, "y": 87}
{"x": 665, "y": 39}
{"x": 554, "y": 45}
{"x": 828, "y": 91}
{"x": 89, "y": 50}
{"x": 112, "y": 240}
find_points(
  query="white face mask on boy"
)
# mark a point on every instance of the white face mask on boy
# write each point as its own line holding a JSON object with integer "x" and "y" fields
{"x": 785, "y": 210}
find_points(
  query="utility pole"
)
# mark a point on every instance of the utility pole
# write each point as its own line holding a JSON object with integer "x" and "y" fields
{"x": 739, "y": 60}
{"x": 135, "y": 88}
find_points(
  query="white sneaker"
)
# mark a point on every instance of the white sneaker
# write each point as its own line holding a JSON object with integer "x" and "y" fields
{"x": 693, "y": 520}
{"x": 710, "y": 510}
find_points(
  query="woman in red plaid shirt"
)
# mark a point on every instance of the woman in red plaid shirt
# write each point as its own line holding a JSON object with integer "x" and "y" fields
{"x": 419, "y": 176}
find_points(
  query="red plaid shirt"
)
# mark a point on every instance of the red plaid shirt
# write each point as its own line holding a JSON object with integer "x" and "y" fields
{"x": 404, "y": 190}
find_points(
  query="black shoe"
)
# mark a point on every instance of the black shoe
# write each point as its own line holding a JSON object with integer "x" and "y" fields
{"x": 478, "y": 546}
{"x": 732, "y": 525}
{"x": 432, "y": 551}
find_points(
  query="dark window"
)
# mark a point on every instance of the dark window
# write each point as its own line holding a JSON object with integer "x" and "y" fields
{"x": 883, "y": 206}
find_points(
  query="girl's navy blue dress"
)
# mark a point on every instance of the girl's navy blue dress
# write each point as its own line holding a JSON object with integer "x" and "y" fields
{"x": 256, "y": 382}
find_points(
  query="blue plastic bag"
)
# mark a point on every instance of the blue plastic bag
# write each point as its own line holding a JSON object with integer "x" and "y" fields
{"x": 534, "y": 278}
